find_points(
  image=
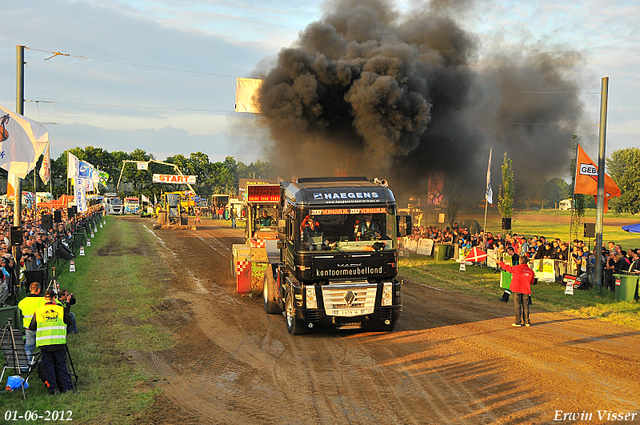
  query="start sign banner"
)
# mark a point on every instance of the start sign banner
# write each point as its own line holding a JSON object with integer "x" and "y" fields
{"x": 172, "y": 178}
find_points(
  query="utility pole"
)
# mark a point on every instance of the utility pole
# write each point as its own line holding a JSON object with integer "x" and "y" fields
{"x": 17, "y": 196}
{"x": 601, "y": 163}
{"x": 17, "y": 206}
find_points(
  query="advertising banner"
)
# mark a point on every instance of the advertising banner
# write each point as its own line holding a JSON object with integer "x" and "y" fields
{"x": 436, "y": 185}
{"x": 175, "y": 179}
{"x": 425, "y": 247}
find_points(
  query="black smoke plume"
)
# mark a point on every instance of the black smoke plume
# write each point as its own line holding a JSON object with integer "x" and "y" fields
{"x": 365, "y": 91}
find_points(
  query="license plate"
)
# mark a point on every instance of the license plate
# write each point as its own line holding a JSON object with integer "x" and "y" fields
{"x": 349, "y": 312}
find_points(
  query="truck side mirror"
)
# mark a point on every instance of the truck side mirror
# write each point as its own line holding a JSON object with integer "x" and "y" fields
{"x": 404, "y": 225}
{"x": 282, "y": 229}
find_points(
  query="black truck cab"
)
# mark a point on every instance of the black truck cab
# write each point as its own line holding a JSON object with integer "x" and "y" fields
{"x": 338, "y": 254}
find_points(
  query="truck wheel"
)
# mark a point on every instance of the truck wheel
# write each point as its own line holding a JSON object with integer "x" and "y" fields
{"x": 295, "y": 327}
{"x": 268, "y": 295}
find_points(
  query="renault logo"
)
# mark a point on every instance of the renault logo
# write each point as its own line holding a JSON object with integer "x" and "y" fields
{"x": 349, "y": 297}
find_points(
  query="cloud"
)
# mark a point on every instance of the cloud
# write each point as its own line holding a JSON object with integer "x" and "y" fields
{"x": 112, "y": 38}
{"x": 233, "y": 39}
{"x": 164, "y": 142}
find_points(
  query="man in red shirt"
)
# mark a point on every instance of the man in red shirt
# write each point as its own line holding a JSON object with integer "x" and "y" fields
{"x": 520, "y": 288}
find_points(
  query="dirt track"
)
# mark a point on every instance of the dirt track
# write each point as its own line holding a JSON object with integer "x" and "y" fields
{"x": 451, "y": 359}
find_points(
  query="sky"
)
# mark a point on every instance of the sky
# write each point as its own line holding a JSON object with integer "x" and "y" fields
{"x": 159, "y": 75}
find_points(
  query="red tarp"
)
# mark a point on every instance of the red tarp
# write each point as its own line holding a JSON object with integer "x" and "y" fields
{"x": 60, "y": 203}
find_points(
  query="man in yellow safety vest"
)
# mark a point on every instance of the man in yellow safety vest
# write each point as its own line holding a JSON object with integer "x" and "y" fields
{"x": 50, "y": 325}
{"x": 28, "y": 306}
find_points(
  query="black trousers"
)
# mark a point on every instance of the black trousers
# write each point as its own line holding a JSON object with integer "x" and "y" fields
{"x": 521, "y": 303}
{"x": 54, "y": 364}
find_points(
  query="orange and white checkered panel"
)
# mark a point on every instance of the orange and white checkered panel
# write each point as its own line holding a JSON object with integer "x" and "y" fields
{"x": 241, "y": 266}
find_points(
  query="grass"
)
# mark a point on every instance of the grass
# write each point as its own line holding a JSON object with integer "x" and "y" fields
{"x": 116, "y": 295}
{"x": 484, "y": 283}
{"x": 561, "y": 230}
{"x": 553, "y": 230}
{"x": 589, "y": 212}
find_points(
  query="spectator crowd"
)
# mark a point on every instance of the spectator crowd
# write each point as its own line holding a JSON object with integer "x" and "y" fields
{"x": 580, "y": 260}
{"x": 36, "y": 245}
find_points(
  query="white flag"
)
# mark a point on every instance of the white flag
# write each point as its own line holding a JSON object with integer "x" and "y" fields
{"x": 45, "y": 168}
{"x": 73, "y": 166}
{"x": 246, "y": 90}
{"x": 22, "y": 141}
{"x": 489, "y": 193}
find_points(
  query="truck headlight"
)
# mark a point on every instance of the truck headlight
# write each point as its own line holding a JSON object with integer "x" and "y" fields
{"x": 312, "y": 301}
{"x": 387, "y": 294}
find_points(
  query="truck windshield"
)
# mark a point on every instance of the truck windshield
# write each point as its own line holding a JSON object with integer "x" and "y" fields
{"x": 115, "y": 201}
{"x": 265, "y": 217}
{"x": 347, "y": 229}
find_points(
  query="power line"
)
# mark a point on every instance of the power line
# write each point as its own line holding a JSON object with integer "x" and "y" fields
{"x": 549, "y": 92}
{"x": 85, "y": 58}
{"x": 55, "y": 102}
{"x": 485, "y": 124}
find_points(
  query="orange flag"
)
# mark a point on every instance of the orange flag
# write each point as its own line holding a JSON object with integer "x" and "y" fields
{"x": 587, "y": 179}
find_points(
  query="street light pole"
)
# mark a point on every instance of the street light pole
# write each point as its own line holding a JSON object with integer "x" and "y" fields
{"x": 17, "y": 196}
{"x": 601, "y": 194}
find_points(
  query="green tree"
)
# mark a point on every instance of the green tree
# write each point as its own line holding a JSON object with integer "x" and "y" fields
{"x": 217, "y": 177}
{"x": 624, "y": 168}
{"x": 507, "y": 189}
{"x": 200, "y": 166}
{"x": 454, "y": 201}
{"x": 579, "y": 201}
{"x": 229, "y": 176}
{"x": 555, "y": 190}
{"x": 132, "y": 181}
{"x": 181, "y": 161}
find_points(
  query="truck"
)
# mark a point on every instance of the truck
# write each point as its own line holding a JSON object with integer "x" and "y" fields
{"x": 337, "y": 255}
{"x": 261, "y": 232}
{"x": 113, "y": 204}
{"x": 188, "y": 200}
{"x": 171, "y": 203}
{"x": 131, "y": 205}
{"x": 219, "y": 200}
{"x": 238, "y": 206}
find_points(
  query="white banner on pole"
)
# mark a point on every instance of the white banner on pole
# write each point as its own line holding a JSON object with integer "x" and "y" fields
{"x": 80, "y": 195}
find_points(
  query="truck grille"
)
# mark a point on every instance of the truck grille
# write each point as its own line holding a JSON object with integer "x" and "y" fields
{"x": 349, "y": 300}
{"x": 385, "y": 313}
{"x": 313, "y": 316}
